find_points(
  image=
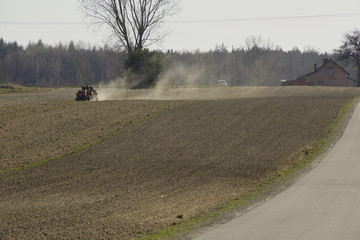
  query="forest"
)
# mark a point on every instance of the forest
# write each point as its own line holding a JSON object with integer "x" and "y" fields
{"x": 43, "y": 65}
{"x": 258, "y": 63}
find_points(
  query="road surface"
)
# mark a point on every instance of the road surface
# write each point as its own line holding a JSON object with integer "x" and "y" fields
{"x": 324, "y": 204}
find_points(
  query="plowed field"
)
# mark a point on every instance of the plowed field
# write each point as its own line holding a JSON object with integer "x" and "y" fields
{"x": 124, "y": 168}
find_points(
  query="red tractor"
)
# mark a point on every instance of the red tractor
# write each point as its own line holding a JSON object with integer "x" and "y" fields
{"x": 86, "y": 94}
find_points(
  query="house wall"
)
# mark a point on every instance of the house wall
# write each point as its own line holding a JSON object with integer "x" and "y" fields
{"x": 297, "y": 82}
{"x": 329, "y": 74}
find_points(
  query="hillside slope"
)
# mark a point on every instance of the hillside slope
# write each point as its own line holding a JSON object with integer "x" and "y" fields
{"x": 183, "y": 161}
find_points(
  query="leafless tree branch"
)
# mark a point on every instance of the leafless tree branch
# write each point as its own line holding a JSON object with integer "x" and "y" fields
{"x": 133, "y": 22}
{"x": 349, "y": 51}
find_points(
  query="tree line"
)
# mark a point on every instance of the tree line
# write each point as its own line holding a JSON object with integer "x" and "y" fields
{"x": 62, "y": 65}
{"x": 258, "y": 63}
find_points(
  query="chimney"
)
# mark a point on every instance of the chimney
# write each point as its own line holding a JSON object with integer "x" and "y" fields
{"x": 326, "y": 60}
{"x": 315, "y": 67}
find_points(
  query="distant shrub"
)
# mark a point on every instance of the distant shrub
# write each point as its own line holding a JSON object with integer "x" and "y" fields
{"x": 143, "y": 67}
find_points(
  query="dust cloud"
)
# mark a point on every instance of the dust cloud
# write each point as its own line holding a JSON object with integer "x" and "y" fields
{"x": 178, "y": 83}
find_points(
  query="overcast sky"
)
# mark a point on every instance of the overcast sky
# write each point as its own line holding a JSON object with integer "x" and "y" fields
{"x": 201, "y": 24}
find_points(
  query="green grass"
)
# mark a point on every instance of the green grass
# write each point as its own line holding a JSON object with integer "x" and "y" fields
{"x": 82, "y": 147}
{"x": 302, "y": 160}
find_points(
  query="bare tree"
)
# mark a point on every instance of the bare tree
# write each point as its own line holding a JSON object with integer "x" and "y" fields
{"x": 349, "y": 51}
{"x": 259, "y": 60}
{"x": 134, "y": 23}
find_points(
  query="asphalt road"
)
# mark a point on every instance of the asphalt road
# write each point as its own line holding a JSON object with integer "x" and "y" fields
{"x": 324, "y": 204}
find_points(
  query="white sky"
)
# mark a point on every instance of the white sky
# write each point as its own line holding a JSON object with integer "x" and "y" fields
{"x": 321, "y": 33}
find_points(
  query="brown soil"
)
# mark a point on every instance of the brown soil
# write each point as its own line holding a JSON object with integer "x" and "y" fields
{"x": 187, "y": 158}
{"x": 37, "y": 131}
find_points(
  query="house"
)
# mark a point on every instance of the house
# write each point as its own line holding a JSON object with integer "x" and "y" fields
{"x": 329, "y": 74}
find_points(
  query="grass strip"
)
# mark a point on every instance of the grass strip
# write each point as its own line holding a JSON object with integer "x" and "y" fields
{"x": 85, "y": 146}
{"x": 302, "y": 160}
